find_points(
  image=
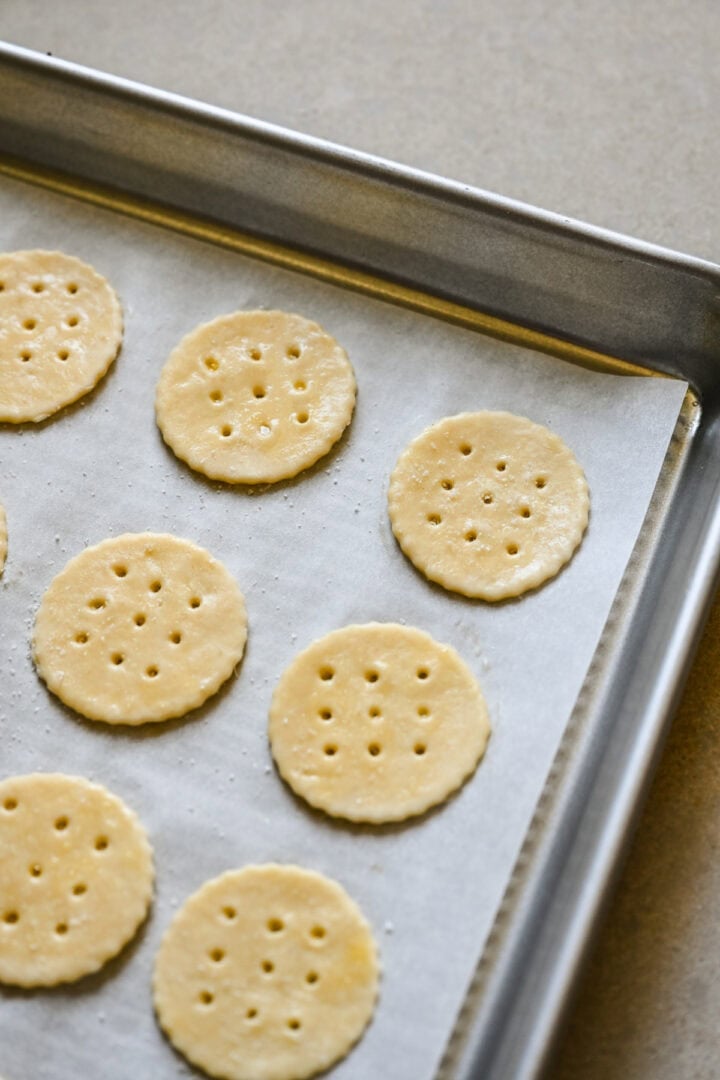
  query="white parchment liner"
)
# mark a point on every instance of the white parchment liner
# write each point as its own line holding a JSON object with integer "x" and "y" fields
{"x": 310, "y": 555}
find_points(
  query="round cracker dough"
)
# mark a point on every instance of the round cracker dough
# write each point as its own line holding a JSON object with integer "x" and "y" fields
{"x": 143, "y": 627}
{"x": 266, "y": 973}
{"x": 377, "y": 723}
{"x": 488, "y": 504}
{"x": 256, "y": 396}
{"x": 3, "y": 537}
{"x": 60, "y": 330}
{"x": 76, "y": 878}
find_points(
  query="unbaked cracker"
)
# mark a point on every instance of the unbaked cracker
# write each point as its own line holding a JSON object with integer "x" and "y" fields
{"x": 256, "y": 396}
{"x": 266, "y": 973}
{"x": 488, "y": 504}
{"x": 377, "y": 723}
{"x": 139, "y": 628}
{"x": 60, "y": 330}
{"x": 76, "y": 878}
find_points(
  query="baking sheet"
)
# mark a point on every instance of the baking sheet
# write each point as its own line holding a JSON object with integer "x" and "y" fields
{"x": 310, "y": 555}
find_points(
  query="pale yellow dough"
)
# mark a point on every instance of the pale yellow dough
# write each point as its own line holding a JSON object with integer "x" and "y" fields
{"x": 60, "y": 330}
{"x": 266, "y": 973}
{"x": 255, "y": 396}
{"x": 3, "y": 537}
{"x": 139, "y": 628}
{"x": 377, "y": 723}
{"x": 76, "y": 878}
{"x": 488, "y": 504}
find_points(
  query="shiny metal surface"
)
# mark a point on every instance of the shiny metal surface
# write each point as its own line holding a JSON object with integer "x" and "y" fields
{"x": 533, "y": 276}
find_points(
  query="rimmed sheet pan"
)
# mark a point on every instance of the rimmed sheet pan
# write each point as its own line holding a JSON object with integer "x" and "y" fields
{"x": 571, "y": 750}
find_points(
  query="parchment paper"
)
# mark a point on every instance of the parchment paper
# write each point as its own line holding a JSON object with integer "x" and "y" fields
{"x": 310, "y": 555}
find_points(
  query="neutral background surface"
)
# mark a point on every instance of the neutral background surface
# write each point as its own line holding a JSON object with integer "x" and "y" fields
{"x": 602, "y": 111}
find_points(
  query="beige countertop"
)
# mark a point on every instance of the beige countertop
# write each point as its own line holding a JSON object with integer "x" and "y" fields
{"x": 603, "y": 112}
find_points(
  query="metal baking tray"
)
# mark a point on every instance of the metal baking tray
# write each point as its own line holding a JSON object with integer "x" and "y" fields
{"x": 528, "y": 277}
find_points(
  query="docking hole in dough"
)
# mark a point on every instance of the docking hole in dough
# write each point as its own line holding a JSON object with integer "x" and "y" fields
{"x": 255, "y": 397}
{"x": 76, "y": 878}
{"x": 266, "y": 973}
{"x": 60, "y": 330}
{"x": 139, "y": 628}
{"x": 488, "y": 504}
{"x": 377, "y": 723}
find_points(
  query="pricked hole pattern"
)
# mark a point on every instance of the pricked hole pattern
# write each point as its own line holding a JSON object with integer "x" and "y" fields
{"x": 448, "y": 485}
{"x": 434, "y": 519}
{"x": 217, "y": 955}
{"x": 300, "y": 386}
{"x": 470, "y": 536}
{"x": 205, "y": 997}
{"x": 525, "y": 511}
{"x": 325, "y": 714}
{"x": 36, "y": 870}
{"x": 211, "y": 363}
{"x": 2, "y": 286}
{"x": 259, "y": 392}
{"x": 63, "y": 354}
{"x": 540, "y": 481}
{"x": 25, "y": 355}
{"x": 61, "y": 928}
{"x": 419, "y": 748}
{"x": 326, "y": 673}
{"x": 72, "y": 320}
{"x": 318, "y": 932}
{"x": 275, "y": 925}
{"x": 72, "y": 288}
{"x": 465, "y": 449}
{"x": 176, "y": 637}
{"x": 97, "y": 603}
{"x": 255, "y": 354}
{"x": 101, "y": 843}
{"x": 512, "y": 549}
{"x": 81, "y": 638}
{"x": 152, "y": 672}
{"x": 487, "y": 498}
{"x": 216, "y": 395}
{"x": 251, "y": 1014}
{"x": 312, "y": 977}
{"x": 302, "y": 417}
{"x": 501, "y": 466}
{"x": 267, "y": 966}
{"x": 422, "y": 673}
{"x": 374, "y": 711}
{"x": 120, "y": 570}
{"x": 374, "y": 749}
{"x": 371, "y": 676}
{"x": 293, "y": 352}
{"x": 117, "y": 658}
{"x": 80, "y": 889}
{"x": 294, "y": 1024}
{"x": 38, "y": 287}
{"x": 11, "y": 917}
{"x": 423, "y": 710}
{"x": 30, "y": 324}
{"x": 229, "y": 913}
{"x": 264, "y": 430}
{"x": 61, "y": 823}
{"x": 195, "y": 602}
{"x": 330, "y": 750}
{"x": 140, "y": 619}
{"x": 226, "y": 431}
{"x": 10, "y": 804}
{"x": 155, "y": 586}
